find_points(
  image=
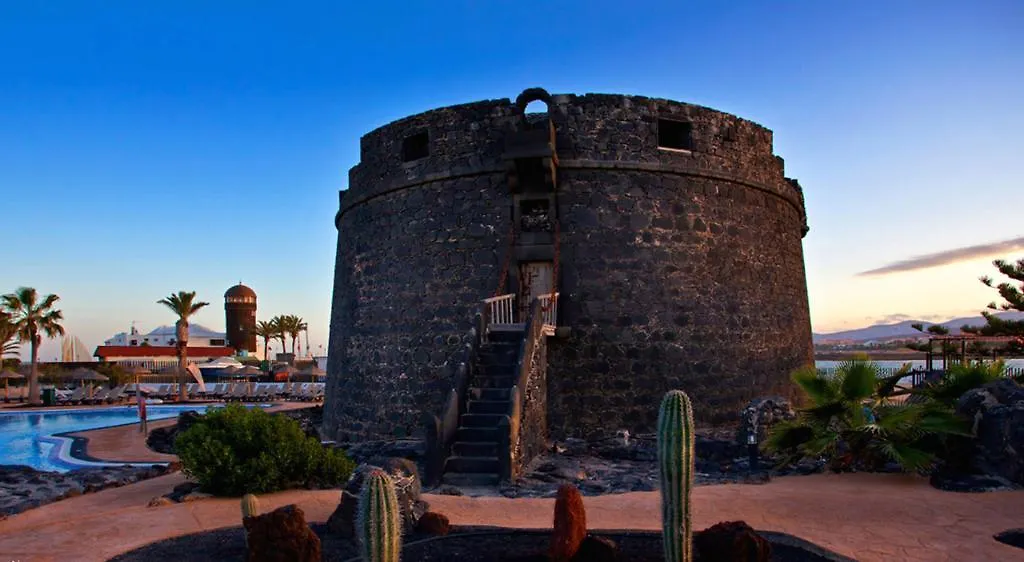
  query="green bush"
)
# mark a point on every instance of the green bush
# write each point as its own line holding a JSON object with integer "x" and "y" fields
{"x": 236, "y": 450}
{"x": 854, "y": 422}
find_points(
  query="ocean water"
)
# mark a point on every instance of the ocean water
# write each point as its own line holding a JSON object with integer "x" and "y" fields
{"x": 915, "y": 364}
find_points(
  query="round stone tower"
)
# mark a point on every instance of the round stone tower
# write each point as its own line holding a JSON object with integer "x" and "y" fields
{"x": 240, "y": 317}
{"x": 669, "y": 230}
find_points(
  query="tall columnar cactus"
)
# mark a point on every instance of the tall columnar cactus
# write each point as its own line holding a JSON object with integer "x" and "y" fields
{"x": 250, "y": 506}
{"x": 675, "y": 463}
{"x": 379, "y": 524}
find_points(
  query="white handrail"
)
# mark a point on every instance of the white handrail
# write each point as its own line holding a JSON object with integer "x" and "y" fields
{"x": 549, "y": 302}
{"x": 500, "y": 310}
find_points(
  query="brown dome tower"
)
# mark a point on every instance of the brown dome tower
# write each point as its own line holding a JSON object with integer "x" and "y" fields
{"x": 240, "y": 317}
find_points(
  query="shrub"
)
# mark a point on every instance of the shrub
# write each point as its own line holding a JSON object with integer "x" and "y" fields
{"x": 236, "y": 450}
{"x": 853, "y": 422}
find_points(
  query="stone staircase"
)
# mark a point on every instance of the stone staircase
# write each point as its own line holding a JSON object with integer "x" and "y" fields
{"x": 474, "y": 456}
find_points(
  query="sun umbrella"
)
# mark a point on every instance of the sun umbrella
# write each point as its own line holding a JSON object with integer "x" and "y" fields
{"x": 314, "y": 371}
{"x": 83, "y": 374}
{"x": 136, "y": 371}
{"x": 7, "y": 375}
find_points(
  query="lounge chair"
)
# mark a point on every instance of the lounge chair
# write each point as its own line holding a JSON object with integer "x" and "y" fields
{"x": 215, "y": 390}
{"x": 236, "y": 393}
{"x": 76, "y": 396}
{"x": 117, "y": 394}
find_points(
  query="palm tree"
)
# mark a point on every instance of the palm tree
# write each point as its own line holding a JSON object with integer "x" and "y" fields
{"x": 267, "y": 331}
{"x": 854, "y": 422}
{"x": 295, "y": 327}
{"x": 183, "y": 304}
{"x": 8, "y": 336}
{"x": 281, "y": 331}
{"x": 33, "y": 317}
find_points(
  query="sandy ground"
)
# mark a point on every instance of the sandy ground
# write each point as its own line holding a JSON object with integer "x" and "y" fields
{"x": 865, "y": 516}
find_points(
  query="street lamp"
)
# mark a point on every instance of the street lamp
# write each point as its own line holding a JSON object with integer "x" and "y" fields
{"x": 752, "y": 450}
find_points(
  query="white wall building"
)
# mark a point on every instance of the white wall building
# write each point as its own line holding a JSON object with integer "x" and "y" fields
{"x": 198, "y": 336}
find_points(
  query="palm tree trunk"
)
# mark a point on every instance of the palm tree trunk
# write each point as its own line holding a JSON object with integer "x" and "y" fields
{"x": 266, "y": 349}
{"x": 34, "y": 396}
{"x": 182, "y": 344}
{"x": 293, "y": 346}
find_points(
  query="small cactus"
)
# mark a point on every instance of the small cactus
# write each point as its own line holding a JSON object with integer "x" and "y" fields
{"x": 570, "y": 525}
{"x": 379, "y": 524}
{"x": 250, "y": 506}
{"x": 675, "y": 463}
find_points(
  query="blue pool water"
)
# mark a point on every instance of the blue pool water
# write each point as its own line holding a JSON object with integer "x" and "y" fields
{"x": 27, "y": 438}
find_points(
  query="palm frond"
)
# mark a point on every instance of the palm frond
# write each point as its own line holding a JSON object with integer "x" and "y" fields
{"x": 788, "y": 435}
{"x": 859, "y": 379}
{"x": 907, "y": 456}
{"x": 816, "y": 385}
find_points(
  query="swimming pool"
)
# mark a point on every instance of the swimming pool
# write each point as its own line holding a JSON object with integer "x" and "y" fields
{"x": 32, "y": 438}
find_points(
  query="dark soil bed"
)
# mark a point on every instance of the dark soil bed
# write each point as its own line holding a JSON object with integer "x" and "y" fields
{"x": 467, "y": 544}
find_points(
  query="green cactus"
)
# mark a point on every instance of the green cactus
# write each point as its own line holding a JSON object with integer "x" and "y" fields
{"x": 250, "y": 506}
{"x": 675, "y": 463}
{"x": 379, "y": 524}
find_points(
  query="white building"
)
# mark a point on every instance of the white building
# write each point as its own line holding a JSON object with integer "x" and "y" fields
{"x": 156, "y": 350}
{"x": 198, "y": 336}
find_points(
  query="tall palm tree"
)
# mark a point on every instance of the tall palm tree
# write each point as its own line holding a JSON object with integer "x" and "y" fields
{"x": 8, "y": 336}
{"x": 184, "y": 305}
{"x": 33, "y": 318}
{"x": 267, "y": 331}
{"x": 281, "y": 330}
{"x": 295, "y": 328}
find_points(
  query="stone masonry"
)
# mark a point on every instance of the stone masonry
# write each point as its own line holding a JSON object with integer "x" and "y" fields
{"x": 679, "y": 267}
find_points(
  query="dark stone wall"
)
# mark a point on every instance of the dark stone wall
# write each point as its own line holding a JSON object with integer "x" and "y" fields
{"x": 674, "y": 282}
{"x": 679, "y": 268}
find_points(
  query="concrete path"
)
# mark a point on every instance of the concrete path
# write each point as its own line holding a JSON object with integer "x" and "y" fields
{"x": 866, "y": 516}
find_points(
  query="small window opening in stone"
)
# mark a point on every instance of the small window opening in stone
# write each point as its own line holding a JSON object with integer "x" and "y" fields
{"x": 415, "y": 147}
{"x": 675, "y": 134}
{"x": 534, "y": 215}
{"x": 536, "y": 106}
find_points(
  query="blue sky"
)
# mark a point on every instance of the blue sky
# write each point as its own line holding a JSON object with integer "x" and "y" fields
{"x": 137, "y": 143}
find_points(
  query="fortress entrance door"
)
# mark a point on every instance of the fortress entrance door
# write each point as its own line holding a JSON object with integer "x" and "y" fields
{"x": 534, "y": 281}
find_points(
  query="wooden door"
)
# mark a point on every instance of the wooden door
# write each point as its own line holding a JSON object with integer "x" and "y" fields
{"x": 534, "y": 281}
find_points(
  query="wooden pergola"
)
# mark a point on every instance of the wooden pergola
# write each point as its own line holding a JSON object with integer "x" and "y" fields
{"x": 959, "y": 344}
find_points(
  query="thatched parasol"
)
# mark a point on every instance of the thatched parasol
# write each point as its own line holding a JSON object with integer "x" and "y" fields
{"x": 7, "y": 375}
{"x": 314, "y": 371}
{"x": 137, "y": 371}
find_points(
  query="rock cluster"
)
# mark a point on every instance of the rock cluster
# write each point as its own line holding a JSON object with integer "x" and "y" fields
{"x": 161, "y": 439}
{"x": 408, "y": 487}
{"x": 732, "y": 541}
{"x": 997, "y": 409}
{"x": 629, "y": 464}
{"x": 23, "y": 488}
{"x": 375, "y": 452}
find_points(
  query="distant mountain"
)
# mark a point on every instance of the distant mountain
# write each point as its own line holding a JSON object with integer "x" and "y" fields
{"x": 904, "y": 329}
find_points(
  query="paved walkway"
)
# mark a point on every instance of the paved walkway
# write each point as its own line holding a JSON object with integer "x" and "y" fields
{"x": 866, "y": 516}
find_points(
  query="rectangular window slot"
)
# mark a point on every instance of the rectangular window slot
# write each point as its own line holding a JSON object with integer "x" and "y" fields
{"x": 415, "y": 147}
{"x": 677, "y": 135}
